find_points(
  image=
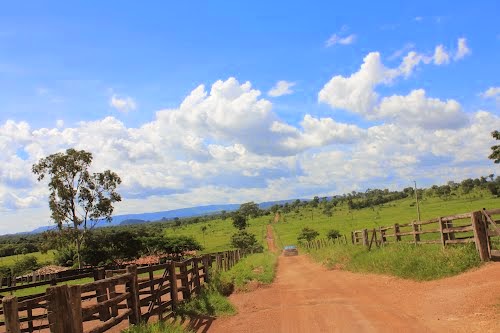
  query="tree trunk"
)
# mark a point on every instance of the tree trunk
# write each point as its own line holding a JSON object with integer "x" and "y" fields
{"x": 78, "y": 247}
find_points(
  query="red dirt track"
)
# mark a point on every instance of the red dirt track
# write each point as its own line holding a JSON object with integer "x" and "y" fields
{"x": 306, "y": 297}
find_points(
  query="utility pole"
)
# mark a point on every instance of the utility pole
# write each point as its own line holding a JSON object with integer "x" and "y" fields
{"x": 416, "y": 201}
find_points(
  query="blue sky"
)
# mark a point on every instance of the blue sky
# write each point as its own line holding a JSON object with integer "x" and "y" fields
{"x": 117, "y": 74}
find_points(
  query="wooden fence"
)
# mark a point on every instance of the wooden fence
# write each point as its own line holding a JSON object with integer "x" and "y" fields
{"x": 116, "y": 299}
{"x": 34, "y": 277}
{"x": 479, "y": 227}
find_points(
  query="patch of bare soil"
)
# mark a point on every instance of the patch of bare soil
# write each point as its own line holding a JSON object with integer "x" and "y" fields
{"x": 270, "y": 239}
{"x": 306, "y": 297}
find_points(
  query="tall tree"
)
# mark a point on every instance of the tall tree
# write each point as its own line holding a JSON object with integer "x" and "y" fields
{"x": 495, "y": 154}
{"x": 249, "y": 209}
{"x": 78, "y": 199}
{"x": 239, "y": 221}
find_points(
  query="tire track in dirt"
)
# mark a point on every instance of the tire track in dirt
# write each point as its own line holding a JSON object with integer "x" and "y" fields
{"x": 270, "y": 239}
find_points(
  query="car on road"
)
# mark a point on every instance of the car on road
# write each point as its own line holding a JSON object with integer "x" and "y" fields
{"x": 290, "y": 250}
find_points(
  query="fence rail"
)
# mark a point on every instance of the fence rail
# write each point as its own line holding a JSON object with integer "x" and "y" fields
{"x": 116, "y": 299}
{"x": 477, "y": 227}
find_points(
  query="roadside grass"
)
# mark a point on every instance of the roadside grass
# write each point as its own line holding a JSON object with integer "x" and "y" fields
{"x": 259, "y": 267}
{"x": 421, "y": 262}
{"x": 208, "y": 303}
{"x": 158, "y": 327}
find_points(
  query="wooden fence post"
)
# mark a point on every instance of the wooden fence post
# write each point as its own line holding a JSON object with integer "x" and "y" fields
{"x": 75, "y": 302}
{"x": 352, "y": 237}
{"x": 480, "y": 235}
{"x": 133, "y": 302}
{"x": 101, "y": 293}
{"x": 396, "y": 232}
{"x": 186, "y": 291}
{"x": 11, "y": 314}
{"x": 206, "y": 268}
{"x": 382, "y": 236}
{"x": 365, "y": 237}
{"x": 174, "y": 293}
{"x": 218, "y": 259}
{"x": 112, "y": 294}
{"x": 196, "y": 275}
{"x": 443, "y": 236}
{"x": 416, "y": 237}
{"x": 60, "y": 311}
{"x": 451, "y": 235}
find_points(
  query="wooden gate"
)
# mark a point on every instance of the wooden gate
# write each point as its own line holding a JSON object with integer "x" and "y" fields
{"x": 491, "y": 218}
{"x": 157, "y": 285}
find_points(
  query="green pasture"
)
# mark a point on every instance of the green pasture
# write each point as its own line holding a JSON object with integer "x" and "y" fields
{"x": 217, "y": 236}
{"x": 41, "y": 257}
{"x": 400, "y": 211}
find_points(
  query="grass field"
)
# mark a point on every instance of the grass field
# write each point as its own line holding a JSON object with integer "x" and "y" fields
{"x": 399, "y": 211}
{"x": 217, "y": 236}
{"x": 41, "y": 257}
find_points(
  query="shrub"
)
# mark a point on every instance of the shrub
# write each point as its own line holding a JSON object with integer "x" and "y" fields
{"x": 66, "y": 256}
{"x": 246, "y": 241}
{"x": 222, "y": 285}
{"x": 239, "y": 221}
{"x": 208, "y": 303}
{"x": 333, "y": 234}
{"x": 307, "y": 234}
{"x": 25, "y": 265}
{"x": 111, "y": 247}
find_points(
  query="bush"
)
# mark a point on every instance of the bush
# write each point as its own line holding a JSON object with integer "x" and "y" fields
{"x": 101, "y": 248}
{"x": 222, "y": 285}
{"x": 239, "y": 221}
{"x": 307, "y": 234}
{"x": 5, "y": 271}
{"x": 25, "y": 265}
{"x": 208, "y": 303}
{"x": 246, "y": 241}
{"x": 333, "y": 234}
{"x": 65, "y": 256}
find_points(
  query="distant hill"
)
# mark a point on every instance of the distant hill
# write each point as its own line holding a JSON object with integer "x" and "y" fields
{"x": 171, "y": 214}
{"x": 132, "y": 221}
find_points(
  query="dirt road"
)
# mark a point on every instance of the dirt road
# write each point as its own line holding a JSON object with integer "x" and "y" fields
{"x": 307, "y": 297}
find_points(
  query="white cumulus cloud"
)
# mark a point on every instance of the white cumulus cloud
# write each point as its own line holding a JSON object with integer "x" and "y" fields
{"x": 356, "y": 92}
{"x": 416, "y": 109}
{"x": 336, "y": 39}
{"x": 122, "y": 104}
{"x": 491, "y": 92}
{"x": 441, "y": 56}
{"x": 281, "y": 88}
{"x": 462, "y": 49}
